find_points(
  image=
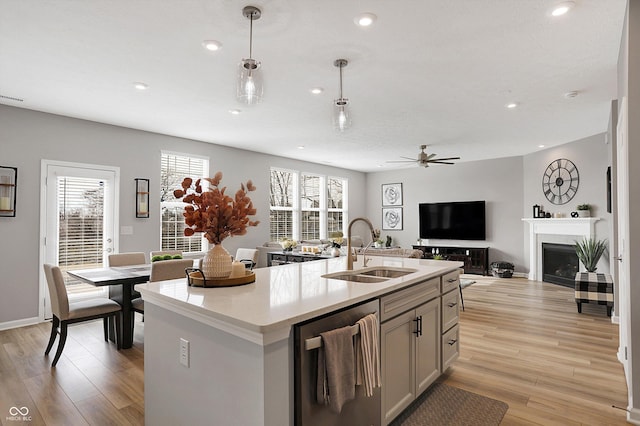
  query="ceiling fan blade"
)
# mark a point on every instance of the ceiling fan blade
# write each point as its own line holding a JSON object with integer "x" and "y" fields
{"x": 400, "y": 161}
{"x": 447, "y": 159}
{"x": 408, "y": 158}
{"x": 430, "y": 156}
{"x": 439, "y": 162}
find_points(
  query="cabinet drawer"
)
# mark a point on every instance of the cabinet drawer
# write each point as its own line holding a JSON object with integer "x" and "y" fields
{"x": 450, "y": 281}
{"x": 408, "y": 298}
{"x": 450, "y": 347}
{"x": 450, "y": 310}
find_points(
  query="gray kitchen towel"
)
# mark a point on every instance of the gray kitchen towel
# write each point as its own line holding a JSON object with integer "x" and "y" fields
{"x": 336, "y": 372}
{"x": 367, "y": 354}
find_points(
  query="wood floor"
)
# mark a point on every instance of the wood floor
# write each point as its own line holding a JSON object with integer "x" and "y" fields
{"x": 522, "y": 342}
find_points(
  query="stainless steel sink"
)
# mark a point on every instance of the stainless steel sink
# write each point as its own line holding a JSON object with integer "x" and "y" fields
{"x": 355, "y": 278}
{"x": 387, "y": 272}
{"x": 376, "y": 274}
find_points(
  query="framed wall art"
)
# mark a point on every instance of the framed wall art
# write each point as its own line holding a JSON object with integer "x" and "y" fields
{"x": 391, "y": 194}
{"x": 392, "y": 219}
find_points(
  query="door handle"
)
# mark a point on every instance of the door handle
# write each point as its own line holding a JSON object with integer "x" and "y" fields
{"x": 619, "y": 258}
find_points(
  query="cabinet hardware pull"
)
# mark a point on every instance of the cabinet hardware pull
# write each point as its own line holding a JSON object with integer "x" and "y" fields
{"x": 420, "y": 318}
{"x": 417, "y": 332}
{"x": 451, "y": 305}
{"x": 452, "y": 280}
{"x": 452, "y": 342}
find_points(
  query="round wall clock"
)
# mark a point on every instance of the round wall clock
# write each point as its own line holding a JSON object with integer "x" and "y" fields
{"x": 560, "y": 181}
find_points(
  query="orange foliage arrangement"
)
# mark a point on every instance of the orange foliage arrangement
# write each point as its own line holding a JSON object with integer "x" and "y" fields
{"x": 213, "y": 212}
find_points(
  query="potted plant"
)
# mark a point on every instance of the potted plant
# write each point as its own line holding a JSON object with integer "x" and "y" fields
{"x": 584, "y": 210}
{"x": 589, "y": 252}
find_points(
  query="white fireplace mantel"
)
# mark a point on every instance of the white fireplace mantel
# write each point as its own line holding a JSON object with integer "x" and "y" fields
{"x": 544, "y": 230}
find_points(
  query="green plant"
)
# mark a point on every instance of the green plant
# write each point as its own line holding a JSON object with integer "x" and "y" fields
{"x": 589, "y": 252}
{"x": 583, "y": 207}
{"x": 167, "y": 257}
{"x": 156, "y": 258}
{"x": 438, "y": 257}
{"x": 177, "y": 256}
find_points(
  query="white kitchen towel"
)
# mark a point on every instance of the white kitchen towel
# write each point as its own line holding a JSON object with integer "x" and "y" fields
{"x": 336, "y": 373}
{"x": 368, "y": 354}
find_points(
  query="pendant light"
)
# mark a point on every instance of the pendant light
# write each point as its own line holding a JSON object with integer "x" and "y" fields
{"x": 249, "y": 87}
{"x": 341, "y": 115}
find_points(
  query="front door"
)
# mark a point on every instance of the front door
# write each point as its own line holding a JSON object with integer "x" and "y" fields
{"x": 79, "y": 222}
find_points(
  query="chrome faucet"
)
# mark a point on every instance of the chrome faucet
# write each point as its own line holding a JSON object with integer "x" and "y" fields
{"x": 350, "y": 257}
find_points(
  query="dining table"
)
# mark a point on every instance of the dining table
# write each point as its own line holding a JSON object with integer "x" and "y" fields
{"x": 121, "y": 281}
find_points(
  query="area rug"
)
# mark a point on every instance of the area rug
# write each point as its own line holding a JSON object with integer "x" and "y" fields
{"x": 443, "y": 405}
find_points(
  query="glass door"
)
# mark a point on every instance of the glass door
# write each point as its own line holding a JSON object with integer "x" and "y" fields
{"x": 79, "y": 219}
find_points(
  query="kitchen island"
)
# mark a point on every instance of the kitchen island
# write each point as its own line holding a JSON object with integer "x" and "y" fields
{"x": 225, "y": 355}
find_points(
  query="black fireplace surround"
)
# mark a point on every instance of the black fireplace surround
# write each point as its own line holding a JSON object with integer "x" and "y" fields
{"x": 559, "y": 264}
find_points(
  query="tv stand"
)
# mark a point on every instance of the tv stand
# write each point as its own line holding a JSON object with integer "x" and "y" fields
{"x": 476, "y": 259}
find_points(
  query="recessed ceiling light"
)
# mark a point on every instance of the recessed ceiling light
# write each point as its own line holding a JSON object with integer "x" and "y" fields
{"x": 140, "y": 86}
{"x": 301, "y": 147}
{"x": 562, "y": 8}
{"x": 512, "y": 105}
{"x": 235, "y": 111}
{"x": 571, "y": 94}
{"x": 365, "y": 19}
{"x": 317, "y": 90}
{"x": 212, "y": 45}
{"x": 540, "y": 146}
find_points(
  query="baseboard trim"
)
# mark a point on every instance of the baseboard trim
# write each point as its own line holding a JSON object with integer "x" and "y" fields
{"x": 521, "y": 275}
{"x": 19, "y": 323}
{"x": 633, "y": 415}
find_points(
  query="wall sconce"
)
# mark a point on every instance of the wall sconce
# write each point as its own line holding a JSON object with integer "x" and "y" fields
{"x": 8, "y": 182}
{"x": 142, "y": 197}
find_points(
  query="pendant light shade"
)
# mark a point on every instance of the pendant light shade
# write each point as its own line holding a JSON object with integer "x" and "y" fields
{"x": 249, "y": 86}
{"x": 341, "y": 114}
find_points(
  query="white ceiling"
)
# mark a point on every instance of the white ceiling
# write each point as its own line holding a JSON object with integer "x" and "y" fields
{"x": 435, "y": 72}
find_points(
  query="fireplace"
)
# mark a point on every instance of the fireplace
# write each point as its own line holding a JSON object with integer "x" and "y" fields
{"x": 556, "y": 231}
{"x": 559, "y": 264}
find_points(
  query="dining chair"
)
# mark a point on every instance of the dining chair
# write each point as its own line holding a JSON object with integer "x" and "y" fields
{"x": 126, "y": 259}
{"x": 160, "y": 271}
{"x": 65, "y": 312}
{"x": 247, "y": 256}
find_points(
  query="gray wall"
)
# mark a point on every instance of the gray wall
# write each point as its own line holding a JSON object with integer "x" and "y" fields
{"x": 511, "y": 186}
{"x": 591, "y": 157}
{"x": 27, "y": 137}
{"x": 499, "y": 182}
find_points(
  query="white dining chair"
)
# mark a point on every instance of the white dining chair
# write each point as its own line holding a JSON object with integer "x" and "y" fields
{"x": 65, "y": 312}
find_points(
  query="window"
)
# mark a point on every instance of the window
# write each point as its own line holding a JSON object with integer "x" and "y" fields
{"x": 282, "y": 200}
{"x": 305, "y": 206}
{"x": 174, "y": 168}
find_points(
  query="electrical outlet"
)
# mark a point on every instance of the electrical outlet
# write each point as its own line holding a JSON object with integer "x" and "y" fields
{"x": 184, "y": 352}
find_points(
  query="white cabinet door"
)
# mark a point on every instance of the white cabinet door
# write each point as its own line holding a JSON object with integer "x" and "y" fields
{"x": 428, "y": 345}
{"x": 397, "y": 341}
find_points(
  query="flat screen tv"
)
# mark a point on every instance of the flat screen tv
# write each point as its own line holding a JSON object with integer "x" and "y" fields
{"x": 461, "y": 220}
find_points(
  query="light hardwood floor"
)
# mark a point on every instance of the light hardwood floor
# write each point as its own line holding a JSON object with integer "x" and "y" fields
{"x": 522, "y": 342}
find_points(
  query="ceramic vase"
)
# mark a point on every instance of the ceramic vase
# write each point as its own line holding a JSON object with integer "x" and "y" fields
{"x": 335, "y": 252}
{"x": 217, "y": 262}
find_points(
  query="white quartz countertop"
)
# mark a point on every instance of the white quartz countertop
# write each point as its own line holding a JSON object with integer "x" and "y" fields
{"x": 265, "y": 310}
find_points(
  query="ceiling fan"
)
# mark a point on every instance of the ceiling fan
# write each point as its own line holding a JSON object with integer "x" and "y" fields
{"x": 425, "y": 159}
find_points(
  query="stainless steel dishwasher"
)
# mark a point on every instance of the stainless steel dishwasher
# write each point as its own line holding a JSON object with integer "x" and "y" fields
{"x": 361, "y": 411}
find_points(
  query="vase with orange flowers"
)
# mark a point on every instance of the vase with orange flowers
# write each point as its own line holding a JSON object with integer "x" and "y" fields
{"x": 218, "y": 216}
